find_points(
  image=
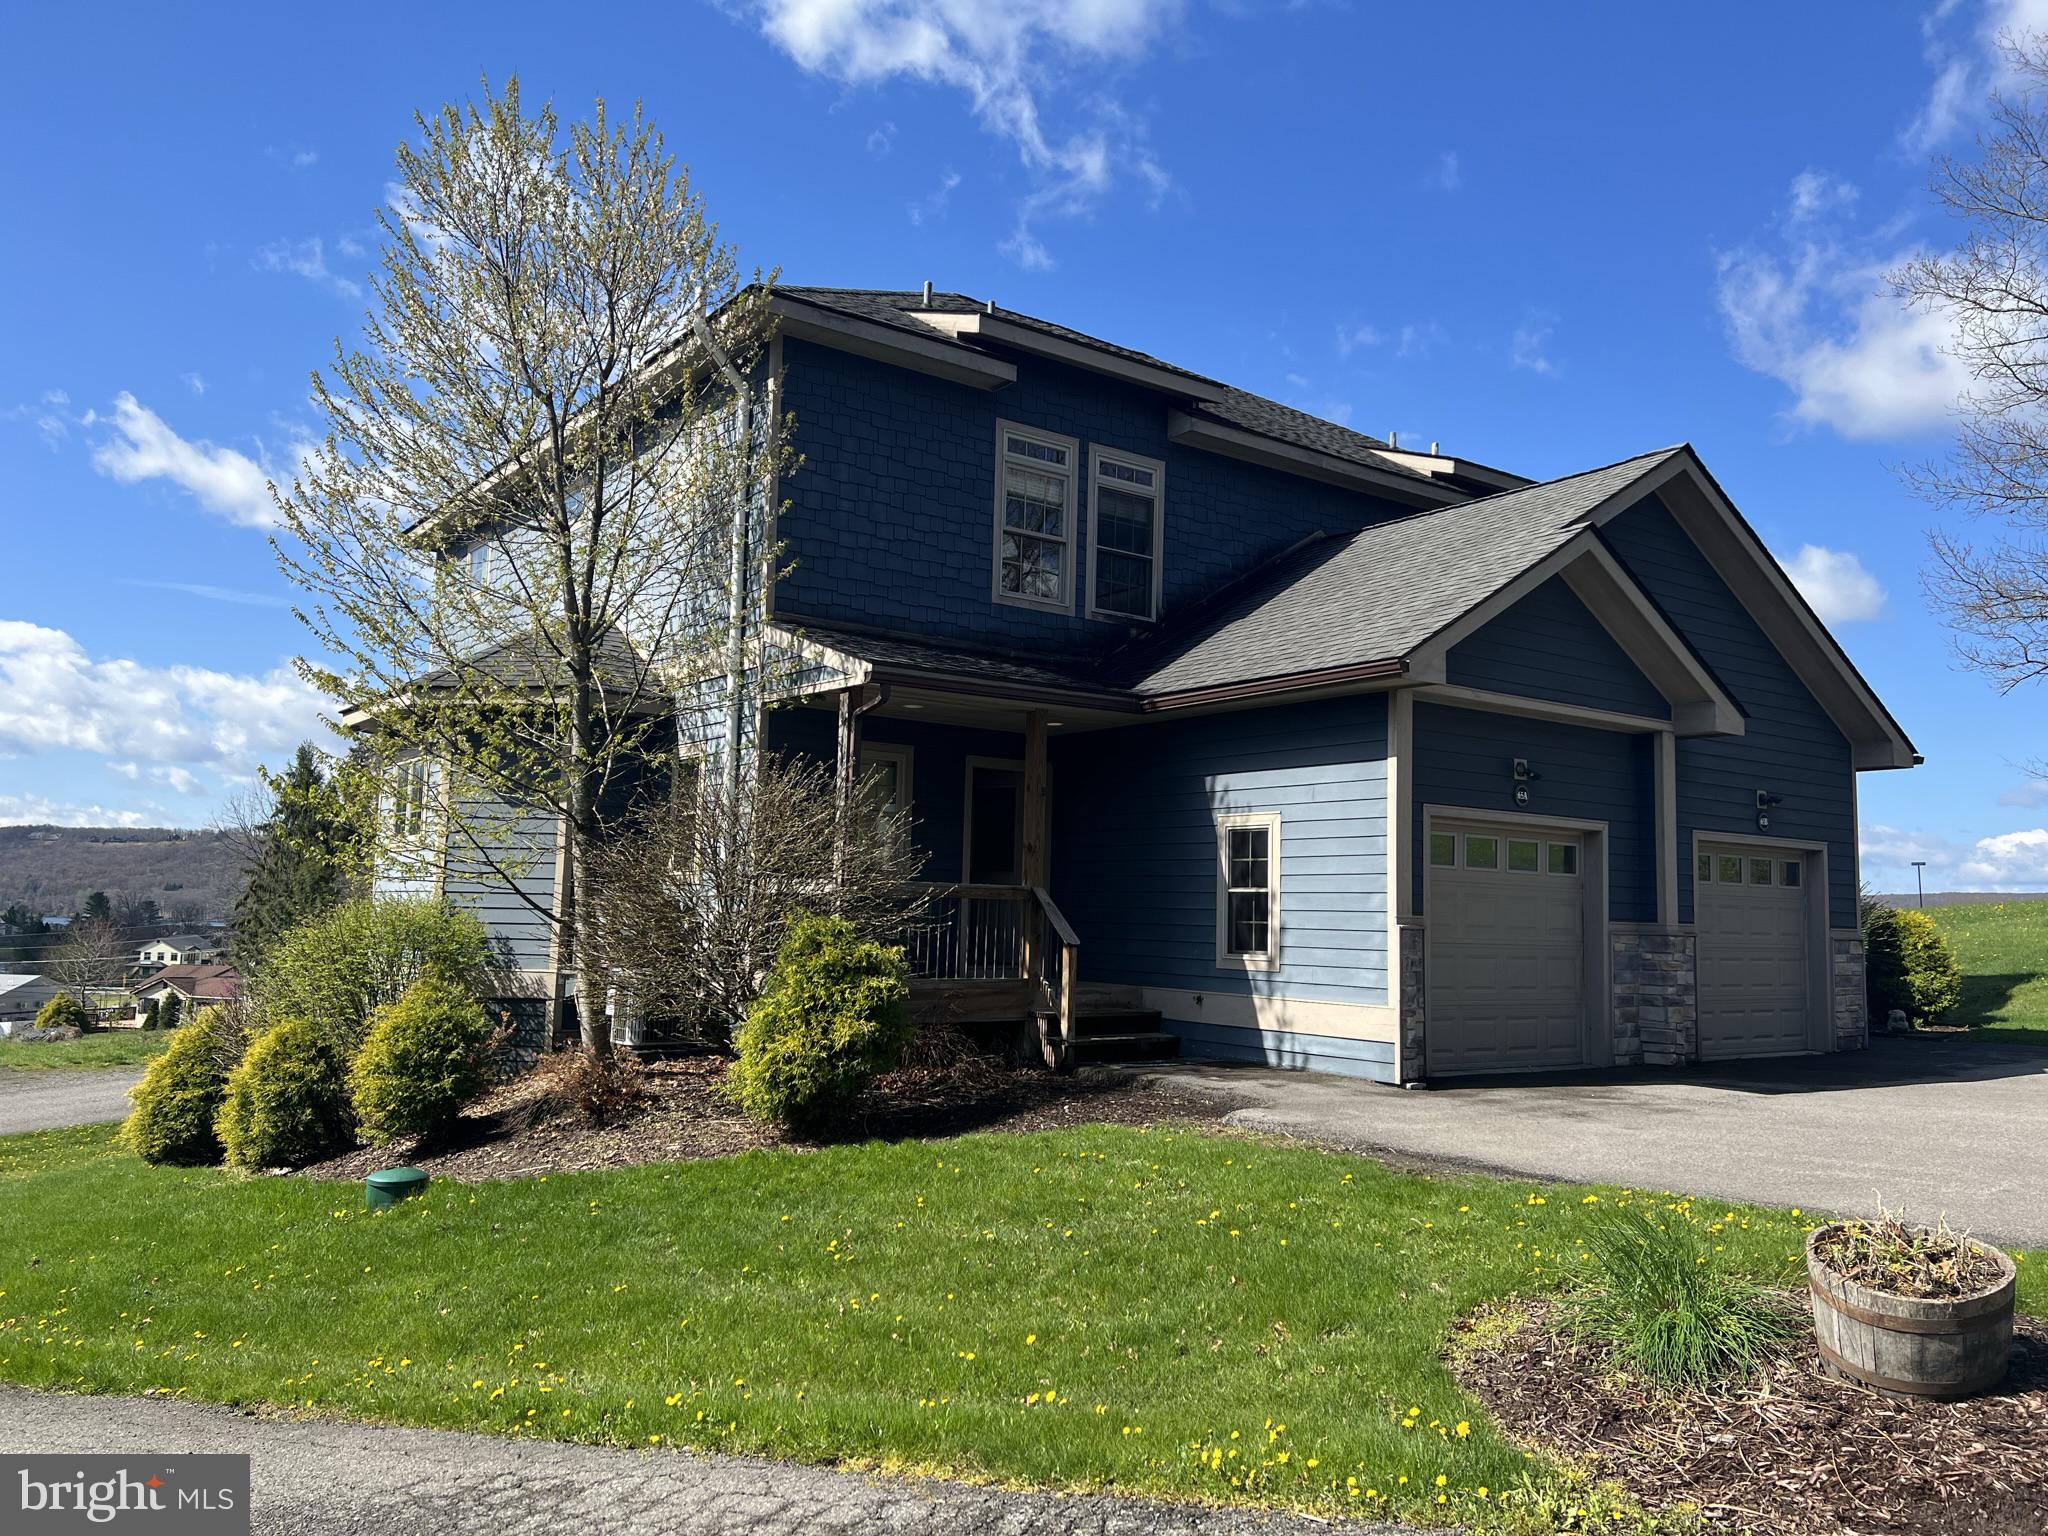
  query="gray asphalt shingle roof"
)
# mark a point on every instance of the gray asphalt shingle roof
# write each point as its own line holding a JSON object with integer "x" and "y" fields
{"x": 1378, "y": 594}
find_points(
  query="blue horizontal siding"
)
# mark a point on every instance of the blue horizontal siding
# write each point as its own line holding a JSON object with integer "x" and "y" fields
{"x": 1549, "y": 646}
{"x": 1790, "y": 746}
{"x": 1134, "y": 846}
{"x": 519, "y": 860}
{"x": 891, "y": 519}
{"x": 1465, "y": 758}
{"x": 1284, "y": 1048}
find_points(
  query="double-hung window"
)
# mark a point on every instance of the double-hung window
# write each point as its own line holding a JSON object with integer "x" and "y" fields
{"x": 1034, "y": 517}
{"x": 1127, "y": 506}
{"x": 411, "y": 797}
{"x": 1248, "y": 890}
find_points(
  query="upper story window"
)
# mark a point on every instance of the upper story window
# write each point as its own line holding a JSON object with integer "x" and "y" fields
{"x": 1127, "y": 501}
{"x": 1034, "y": 563}
{"x": 411, "y": 796}
{"x": 480, "y": 565}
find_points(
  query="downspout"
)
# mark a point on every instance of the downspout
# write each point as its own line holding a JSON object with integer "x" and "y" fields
{"x": 736, "y": 576}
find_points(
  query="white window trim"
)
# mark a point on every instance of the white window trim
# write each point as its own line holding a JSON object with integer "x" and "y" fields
{"x": 1225, "y": 958}
{"x": 1065, "y": 602}
{"x": 903, "y": 757}
{"x": 1096, "y": 455}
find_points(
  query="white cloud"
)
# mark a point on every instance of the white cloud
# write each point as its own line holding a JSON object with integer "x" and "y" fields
{"x": 212, "y": 594}
{"x": 146, "y": 447}
{"x": 1968, "y": 64}
{"x": 1835, "y": 582}
{"x": 933, "y": 204}
{"x": 1530, "y": 346}
{"x": 1444, "y": 175}
{"x": 2005, "y": 861}
{"x": 1816, "y": 313}
{"x": 294, "y": 157}
{"x": 194, "y": 382}
{"x": 2032, "y": 792}
{"x": 1420, "y": 339}
{"x": 881, "y": 139}
{"x": 149, "y": 721}
{"x": 305, "y": 258}
{"x": 1005, "y": 56}
{"x": 1355, "y": 338}
{"x": 37, "y": 810}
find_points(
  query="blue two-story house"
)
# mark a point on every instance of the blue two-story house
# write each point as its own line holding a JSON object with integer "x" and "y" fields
{"x": 1231, "y": 731}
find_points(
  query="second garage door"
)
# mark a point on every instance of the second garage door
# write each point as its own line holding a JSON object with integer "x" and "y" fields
{"x": 1753, "y": 961}
{"x": 1506, "y": 913}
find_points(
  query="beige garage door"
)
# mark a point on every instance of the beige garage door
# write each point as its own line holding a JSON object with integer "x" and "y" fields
{"x": 1753, "y": 976}
{"x": 1506, "y": 913}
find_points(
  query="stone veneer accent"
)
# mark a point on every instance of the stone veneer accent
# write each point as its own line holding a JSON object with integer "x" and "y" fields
{"x": 1656, "y": 997}
{"x": 1412, "y": 1004}
{"x": 1852, "y": 997}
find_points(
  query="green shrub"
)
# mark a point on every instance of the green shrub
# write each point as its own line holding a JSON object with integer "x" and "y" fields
{"x": 834, "y": 1013}
{"x": 170, "y": 1011}
{"x": 1663, "y": 1302}
{"x": 63, "y": 1010}
{"x": 1909, "y": 966}
{"x": 287, "y": 1100}
{"x": 423, "y": 1059}
{"x": 340, "y": 969}
{"x": 179, "y": 1096}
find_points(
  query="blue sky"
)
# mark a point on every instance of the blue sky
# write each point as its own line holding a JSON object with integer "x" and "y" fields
{"x": 1548, "y": 237}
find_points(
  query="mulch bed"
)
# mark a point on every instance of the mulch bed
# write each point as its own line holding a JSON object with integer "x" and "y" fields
{"x": 515, "y": 1131}
{"x": 1790, "y": 1452}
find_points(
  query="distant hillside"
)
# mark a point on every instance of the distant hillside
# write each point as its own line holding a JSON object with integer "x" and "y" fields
{"x": 192, "y": 876}
{"x": 1960, "y": 898}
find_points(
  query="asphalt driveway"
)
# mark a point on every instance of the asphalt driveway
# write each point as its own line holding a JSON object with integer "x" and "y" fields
{"x": 42, "y": 1101}
{"x": 321, "y": 1478}
{"x": 1932, "y": 1126}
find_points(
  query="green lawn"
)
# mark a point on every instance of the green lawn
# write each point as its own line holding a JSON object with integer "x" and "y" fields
{"x": 1188, "y": 1315}
{"x": 102, "y": 1048}
{"x": 2003, "y": 947}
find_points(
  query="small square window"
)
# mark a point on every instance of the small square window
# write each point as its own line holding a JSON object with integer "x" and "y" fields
{"x": 1706, "y": 869}
{"x": 1443, "y": 849}
{"x": 1789, "y": 872}
{"x": 1564, "y": 858}
{"x": 1760, "y": 871}
{"x": 1482, "y": 852}
{"x": 1729, "y": 870}
{"x": 1524, "y": 858}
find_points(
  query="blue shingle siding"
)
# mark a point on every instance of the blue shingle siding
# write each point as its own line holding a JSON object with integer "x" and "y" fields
{"x": 1790, "y": 746}
{"x": 1134, "y": 847}
{"x": 1372, "y": 1059}
{"x": 891, "y": 519}
{"x": 1549, "y": 646}
{"x": 938, "y": 770}
{"x": 1465, "y": 758}
{"x": 518, "y": 857}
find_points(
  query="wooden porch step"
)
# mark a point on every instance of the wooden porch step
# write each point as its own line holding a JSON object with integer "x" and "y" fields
{"x": 1143, "y": 1045}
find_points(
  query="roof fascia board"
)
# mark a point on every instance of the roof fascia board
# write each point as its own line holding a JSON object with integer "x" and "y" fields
{"x": 994, "y": 328}
{"x": 1236, "y": 443}
{"x": 853, "y": 670}
{"x": 1740, "y": 559}
{"x": 1358, "y": 677}
{"x": 864, "y": 338}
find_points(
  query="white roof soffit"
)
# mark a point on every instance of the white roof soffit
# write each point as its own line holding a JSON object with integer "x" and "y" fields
{"x": 1024, "y": 338}
{"x": 1434, "y": 464}
{"x": 1236, "y": 443}
{"x": 864, "y": 338}
{"x": 1739, "y": 558}
{"x": 1699, "y": 705}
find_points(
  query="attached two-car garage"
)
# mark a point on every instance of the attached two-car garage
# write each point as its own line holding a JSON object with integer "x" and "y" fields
{"x": 1517, "y": 963}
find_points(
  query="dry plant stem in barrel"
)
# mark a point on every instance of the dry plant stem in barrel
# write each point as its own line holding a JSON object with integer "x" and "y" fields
{"x": 1940, "y": 1346}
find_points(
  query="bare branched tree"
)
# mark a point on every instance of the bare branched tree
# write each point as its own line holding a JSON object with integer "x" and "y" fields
{"x": 93, "y": 954}
{"x": 691, "y": 901}
{"x": 1993, "y": 287}
{"x": 541, "y": 485}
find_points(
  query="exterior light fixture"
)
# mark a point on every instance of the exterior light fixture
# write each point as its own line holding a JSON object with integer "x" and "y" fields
{"x": 1764, "y": 801}
{"x": 1524, "y": 776}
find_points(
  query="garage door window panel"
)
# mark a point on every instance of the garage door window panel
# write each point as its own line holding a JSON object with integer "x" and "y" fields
{"x": 1524, "y": 857}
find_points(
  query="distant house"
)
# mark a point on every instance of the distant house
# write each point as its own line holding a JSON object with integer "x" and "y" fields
{"x": 22, "y": 997}
{"x": 192, "y": 984}
{"x": 180, "y": 949}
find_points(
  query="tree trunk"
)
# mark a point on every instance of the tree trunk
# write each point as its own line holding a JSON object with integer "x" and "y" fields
{"x": 583, "y": 831}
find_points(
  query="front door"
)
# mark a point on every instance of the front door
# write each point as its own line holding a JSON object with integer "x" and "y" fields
{"x": 995, "y": 827}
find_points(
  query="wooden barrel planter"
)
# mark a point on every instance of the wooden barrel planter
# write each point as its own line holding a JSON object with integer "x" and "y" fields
{"x": 1942, "y": 1347}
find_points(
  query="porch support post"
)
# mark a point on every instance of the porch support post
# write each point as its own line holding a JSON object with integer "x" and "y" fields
{"x": 845, "y": 772}
{"x": 1034, "y": 860}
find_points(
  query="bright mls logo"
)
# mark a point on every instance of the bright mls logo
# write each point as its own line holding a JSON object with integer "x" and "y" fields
{"x": 162, "y": 1495}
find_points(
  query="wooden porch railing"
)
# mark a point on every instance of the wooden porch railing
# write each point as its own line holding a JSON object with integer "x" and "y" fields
{"x": 996, "y": 933}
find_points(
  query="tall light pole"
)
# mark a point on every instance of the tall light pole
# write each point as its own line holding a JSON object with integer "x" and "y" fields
{"x": 1919, "y": 883}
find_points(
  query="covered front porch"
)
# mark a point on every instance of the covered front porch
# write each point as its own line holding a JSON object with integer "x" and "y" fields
{"x": 971, "y": 767}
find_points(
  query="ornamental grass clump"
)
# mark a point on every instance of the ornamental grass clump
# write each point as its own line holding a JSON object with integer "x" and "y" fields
{"x": 834, "y": 1015}
{"x": 1667, "y": 1307}
{"x": 287, "y": 1100}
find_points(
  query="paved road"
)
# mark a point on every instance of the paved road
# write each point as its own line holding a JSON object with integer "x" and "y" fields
{"x": 317, "y": 1478}
{"x": 1932, "y": 1126}
{"x": 39, "y": 1101}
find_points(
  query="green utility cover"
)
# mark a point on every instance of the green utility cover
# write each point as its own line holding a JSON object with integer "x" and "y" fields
{"x": 388, "y": 1186}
